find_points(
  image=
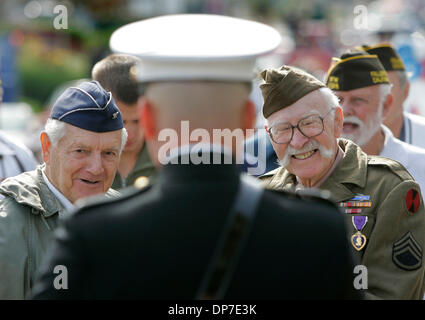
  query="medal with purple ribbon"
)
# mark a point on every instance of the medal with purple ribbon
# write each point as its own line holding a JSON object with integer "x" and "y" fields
{"x": 358, "y": 240}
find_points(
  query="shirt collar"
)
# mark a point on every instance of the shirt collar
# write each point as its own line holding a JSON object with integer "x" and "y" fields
{"x": 62, "y": 199}
{"x": 338, "y": 158}
{"x": 387, "y": 134}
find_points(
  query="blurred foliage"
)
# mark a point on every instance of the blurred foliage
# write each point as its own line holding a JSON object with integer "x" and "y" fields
{"x": 43, "y": 67}
{"x": 47, "y": 57}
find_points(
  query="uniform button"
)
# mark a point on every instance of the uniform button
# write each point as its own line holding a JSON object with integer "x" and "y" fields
{"x": 141, "y": 182}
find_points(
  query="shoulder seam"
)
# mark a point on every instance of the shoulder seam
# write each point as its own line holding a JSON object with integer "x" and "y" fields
{"x": 399, "y": 171}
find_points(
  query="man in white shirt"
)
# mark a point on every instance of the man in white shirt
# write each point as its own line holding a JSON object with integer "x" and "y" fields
{"x": 82, "y": 143}
{"x": 411, "y": 157}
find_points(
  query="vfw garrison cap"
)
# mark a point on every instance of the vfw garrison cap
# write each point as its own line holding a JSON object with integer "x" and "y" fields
{"x": 285, "y": 86}
{"x": 195, "y": 47}
{"x": 354, "y": 70}
{"x": 88, "y": 106}
{"x": 387, "y": 55}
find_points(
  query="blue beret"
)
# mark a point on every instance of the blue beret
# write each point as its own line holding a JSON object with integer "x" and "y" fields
{"x": 88, "y": 107}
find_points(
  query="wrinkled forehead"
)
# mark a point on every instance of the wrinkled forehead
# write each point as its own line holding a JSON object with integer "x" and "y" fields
{"x": 81, "y": 137}
{"x": 311, "y": 104}
{"x": 372, "y": 91}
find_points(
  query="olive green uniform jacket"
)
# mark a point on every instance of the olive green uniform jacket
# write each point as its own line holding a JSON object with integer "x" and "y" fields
{"x": 29, "y": 213}
{"x": 395, "y": 229}
{"x": 142, "y": 167}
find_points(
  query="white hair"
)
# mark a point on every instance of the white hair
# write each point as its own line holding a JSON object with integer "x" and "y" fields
{"x": 124, "y": 136}
{"x": 402, "y": 78}
{"x": 331, "y": 99}
{"x": 56, "y": 130}
{"x": 384, "y": 91}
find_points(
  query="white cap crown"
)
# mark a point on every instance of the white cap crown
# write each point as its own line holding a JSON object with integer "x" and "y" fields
{"x": 195, "y": 47}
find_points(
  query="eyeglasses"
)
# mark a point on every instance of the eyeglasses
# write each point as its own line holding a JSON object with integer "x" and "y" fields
{"x": 309, "y": 127}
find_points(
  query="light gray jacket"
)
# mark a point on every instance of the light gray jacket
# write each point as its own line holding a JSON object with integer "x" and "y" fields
{"x": 29, "y": 214}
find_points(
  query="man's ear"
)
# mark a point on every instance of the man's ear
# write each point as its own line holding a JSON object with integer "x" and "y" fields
{"x": 147, "y": 118}
{"x": 387, "y": 105}
{"x": 406, "y": 91}
{"x": 46, "y": 146}
{"x": 338, "y": 120}
{"x": 249, "y": 115}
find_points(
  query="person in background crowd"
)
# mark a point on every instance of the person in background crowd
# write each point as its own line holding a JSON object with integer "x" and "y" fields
{"x": 360, "y": 82}
{"x": 15, "y": 157}
{"x": 115, "y": 74}
{"x": 404, "y": 125}
{"x": 81, "y": 144}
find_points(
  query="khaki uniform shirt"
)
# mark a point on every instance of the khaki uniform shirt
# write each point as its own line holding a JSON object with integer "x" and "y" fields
{"x": 142, "y": 167}
{"x": 395, "y": 227}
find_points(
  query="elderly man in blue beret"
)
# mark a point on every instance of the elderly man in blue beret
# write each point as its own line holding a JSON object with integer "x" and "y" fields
{"x": 81, "y": 144}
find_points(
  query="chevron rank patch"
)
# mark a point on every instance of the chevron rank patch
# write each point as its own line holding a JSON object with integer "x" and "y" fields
{"x": 407, "y": 253}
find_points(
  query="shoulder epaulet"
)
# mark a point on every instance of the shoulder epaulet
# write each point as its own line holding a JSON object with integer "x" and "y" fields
{"x": 98, "y": 202}
{"x": 394, "y": 166}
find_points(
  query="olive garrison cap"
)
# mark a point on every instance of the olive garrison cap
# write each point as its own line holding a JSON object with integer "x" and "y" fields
{"x": 88, "y": 106}
{"x": 387, "y": 55}
{"x": 285, "y": 86}
{"x": 354, "y": 70}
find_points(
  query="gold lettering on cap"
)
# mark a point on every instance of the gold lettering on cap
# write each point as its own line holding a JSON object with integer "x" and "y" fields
{"x": 396, "y": 63}
{"x": 379, "y": 76}
{"x": 333, "y": 83}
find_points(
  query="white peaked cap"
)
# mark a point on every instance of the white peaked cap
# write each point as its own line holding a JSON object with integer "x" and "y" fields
{"x": 195, "y": 47}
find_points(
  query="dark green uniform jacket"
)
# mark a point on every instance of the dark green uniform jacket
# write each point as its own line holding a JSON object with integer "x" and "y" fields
{"x": 143, "y": 167}
{"x": 395, "y": 227}
{"x": 157, "y": 243}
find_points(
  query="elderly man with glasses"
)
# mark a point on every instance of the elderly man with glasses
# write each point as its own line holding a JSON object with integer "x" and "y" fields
{"x": 381, "y": 200}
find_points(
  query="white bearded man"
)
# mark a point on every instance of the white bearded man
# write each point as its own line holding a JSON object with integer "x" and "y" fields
{"x": 362, "y": 85}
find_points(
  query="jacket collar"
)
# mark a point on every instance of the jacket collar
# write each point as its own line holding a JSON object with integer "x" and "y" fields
{"x": 351, "y": 170}
{"x": 29, "y": 189}
{"x": 221, "y": 167}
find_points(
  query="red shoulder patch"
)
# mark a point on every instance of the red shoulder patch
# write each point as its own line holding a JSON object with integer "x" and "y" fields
{"x": 413, "y": 200}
